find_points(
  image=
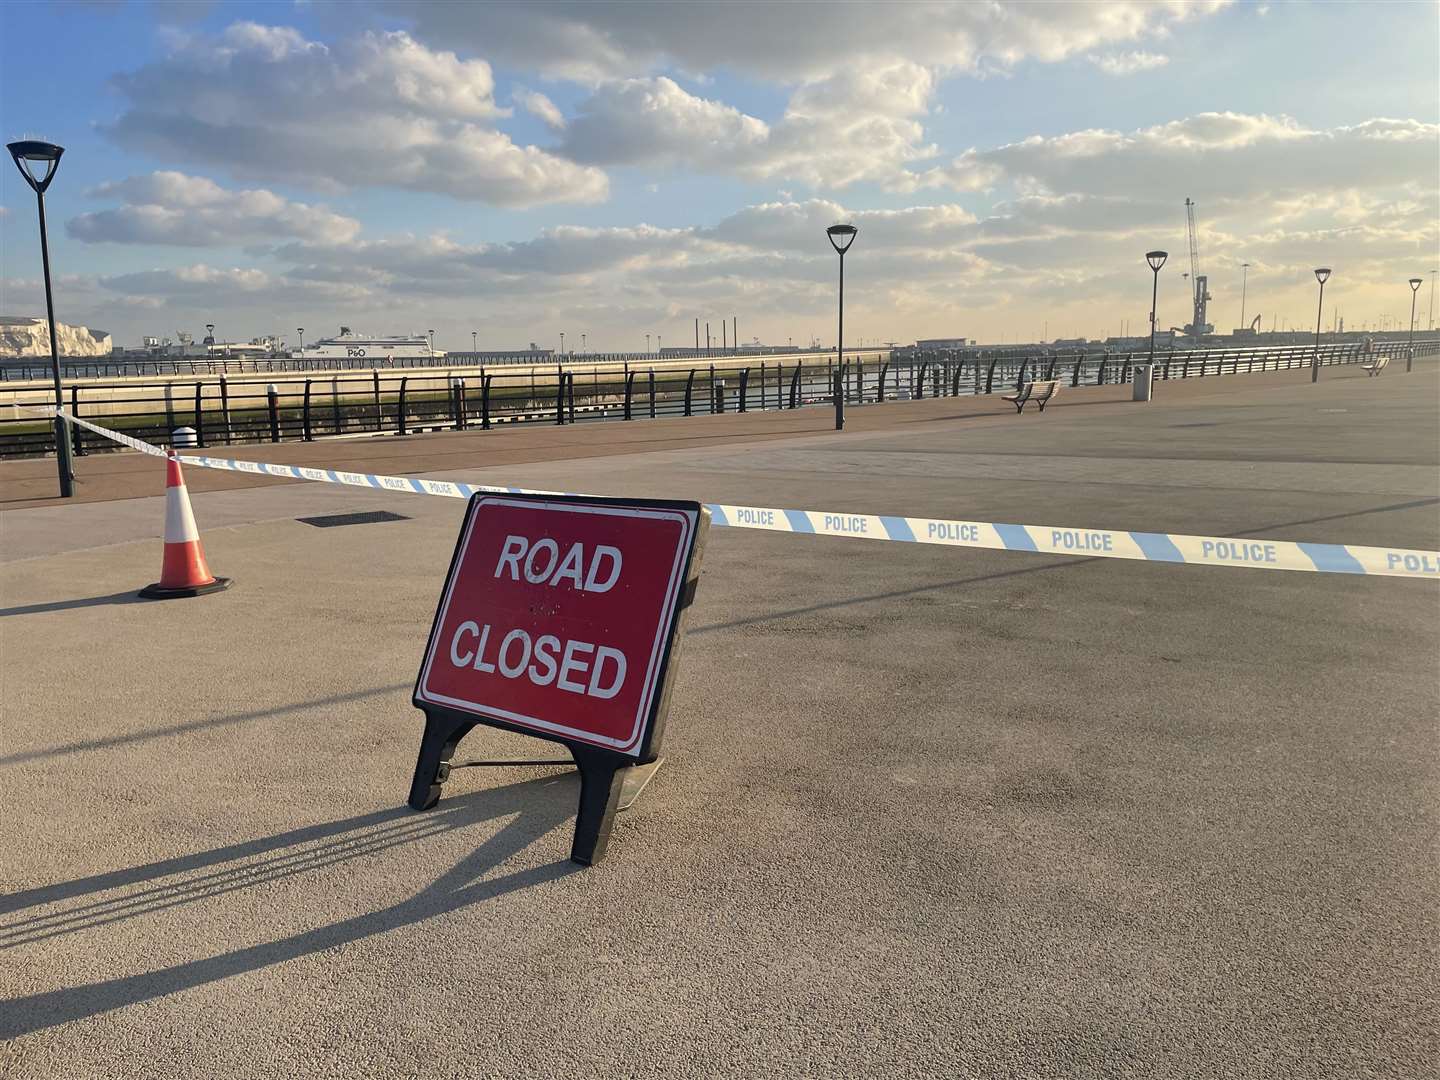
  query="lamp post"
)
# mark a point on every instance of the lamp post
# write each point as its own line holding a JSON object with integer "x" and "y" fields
{"x": 26, "y": 154}
{"x": 432, "y": 342}
{"x": 582, "y": 344}
{"x": 301, "y": 331}
{"x": 841, "y": 237}
{"x": 1322, "y": 275}
{"x": 1415, "y": 284}
{"x": 474, "y": 341}
{"x": 647, "y": 344}
{"x": 1156, "y": 259}
{"x": 562, "y": 342}
{"x": 1244, "y": 278}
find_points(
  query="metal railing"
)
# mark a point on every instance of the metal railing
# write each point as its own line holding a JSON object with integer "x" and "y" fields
{"x": 223, "y": 412}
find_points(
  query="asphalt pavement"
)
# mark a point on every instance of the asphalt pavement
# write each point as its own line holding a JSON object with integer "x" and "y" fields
{"x": 925, "y": 811}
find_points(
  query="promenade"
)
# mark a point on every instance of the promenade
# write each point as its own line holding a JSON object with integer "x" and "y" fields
{"x": 925, "y": 811}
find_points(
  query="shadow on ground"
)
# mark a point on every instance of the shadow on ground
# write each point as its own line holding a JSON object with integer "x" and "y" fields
{"x": 540, "y": 805}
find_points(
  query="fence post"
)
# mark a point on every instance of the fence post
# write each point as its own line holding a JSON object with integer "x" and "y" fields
{"x": 560, "y": 396}
{"x": 379, "y": 413}
{"x": 76, "y": 429}
{"x": 305, "y": 415}
{"x": 225, "y": 406}
{"x": 335, "y": 404}
{"x": 570, "y": 378}
{"x": 652, "y": 393}
{"x": 199, "y": 416}
{"x": 918, "y": 389}
{"x": 880, "y": 391}
{"x": 485, "y": 400}
{"x": 689, "y": 386}
{"x": 400, "y": 407}
{"x": 989, "y": 376}
{"x": 457, "y": 401}
{"x": 744, "y": 389}
{"x": 762, "y": 385}
{"x": 272, "y": 400}
{"x": 1020, "y": 378}
{"x": 629, "y": 389}
{"x": 795, "y": 386}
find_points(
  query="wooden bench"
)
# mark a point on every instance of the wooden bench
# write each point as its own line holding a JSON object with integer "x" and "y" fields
{"x": 1375, "y": 366}
{"x": 1038, "y": 392}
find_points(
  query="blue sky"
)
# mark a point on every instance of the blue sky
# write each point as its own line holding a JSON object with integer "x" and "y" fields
{"x": 1006, "y": 165}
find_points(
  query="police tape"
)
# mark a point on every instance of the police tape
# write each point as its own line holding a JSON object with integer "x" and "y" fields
{"x": 1042, "y": 539}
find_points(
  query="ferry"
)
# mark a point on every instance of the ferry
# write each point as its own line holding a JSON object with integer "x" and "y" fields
{"x": 348, "y": 345}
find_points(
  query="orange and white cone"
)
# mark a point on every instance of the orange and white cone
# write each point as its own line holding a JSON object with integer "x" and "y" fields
{"x": 184, "y": 571}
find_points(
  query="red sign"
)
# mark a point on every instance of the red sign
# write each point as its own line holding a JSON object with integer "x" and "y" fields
{"x": 557, "y": 616}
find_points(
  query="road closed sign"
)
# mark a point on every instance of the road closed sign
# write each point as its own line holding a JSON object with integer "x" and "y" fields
{"x": 559, "y": 617}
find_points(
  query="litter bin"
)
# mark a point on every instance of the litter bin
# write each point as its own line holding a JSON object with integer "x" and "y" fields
{"x": 183, "y": 438}
{"x": 1144, "y": 381}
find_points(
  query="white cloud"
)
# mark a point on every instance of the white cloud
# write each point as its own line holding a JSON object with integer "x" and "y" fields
{"x": 1128, "y": 63}
{"x": 1221, "y": 158}
{"x": 377, "y": 109}
{"x": 540, "y": 106}
{"x": 835, "y": 133}
{"x": 786, "y": 43}
{"x": 173, "y": 208}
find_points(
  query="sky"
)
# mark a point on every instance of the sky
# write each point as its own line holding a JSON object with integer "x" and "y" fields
{"x": 515, "y": 170}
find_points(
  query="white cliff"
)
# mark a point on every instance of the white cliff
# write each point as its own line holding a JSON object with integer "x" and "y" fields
{"x": 20, "y": 336}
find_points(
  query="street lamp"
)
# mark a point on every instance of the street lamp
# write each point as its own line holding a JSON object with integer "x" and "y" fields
{"x": 27, "y": 154}
{"x": 647, "y": 344}
{"x": 301, "y": 331}
{"x": 841, "y": 237}
{"x": 562, "y": 342}
{"x": 582, "y": 344}
{"x": 1322, "y": 275}
{"x": 475, "y": 341}
{"x": 1156, "y": 259}
{"x": 1415, "y": 284}
{"x": 1244, "y": 278}
{"x": 432, "y": 342}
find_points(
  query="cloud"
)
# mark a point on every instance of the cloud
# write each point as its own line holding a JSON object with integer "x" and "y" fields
{"x": 377, "y": 109}
{"x": 1128, "y": 63}
{"x": 173, "y": 208}
{"x": 540, "y": 106}
{"x": 786, "y": 43}
{"x": 853, "y": 127}
{"x": 1224, "y": 159}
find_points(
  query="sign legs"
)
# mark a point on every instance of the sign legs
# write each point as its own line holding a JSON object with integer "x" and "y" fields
{"x": 432, "y": 767}
{"x": 609, "y": 782}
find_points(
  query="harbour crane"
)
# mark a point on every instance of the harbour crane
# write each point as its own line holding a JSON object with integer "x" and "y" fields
{"x": 1198, "y": 325}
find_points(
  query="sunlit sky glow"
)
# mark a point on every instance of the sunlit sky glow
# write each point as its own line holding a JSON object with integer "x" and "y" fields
{"x": 519, "y": 169}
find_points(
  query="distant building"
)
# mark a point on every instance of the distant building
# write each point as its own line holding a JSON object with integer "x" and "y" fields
{"x": 943, "y": 343}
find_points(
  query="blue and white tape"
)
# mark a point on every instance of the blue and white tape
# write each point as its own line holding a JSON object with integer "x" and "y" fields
{"x": 1045, "y": 539}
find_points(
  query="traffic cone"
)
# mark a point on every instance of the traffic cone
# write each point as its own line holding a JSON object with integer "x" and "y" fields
{"x": 184, "y": 571}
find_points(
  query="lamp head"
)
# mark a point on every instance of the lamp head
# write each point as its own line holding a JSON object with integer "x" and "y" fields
{"x": 841, "y": 237}
{"x": 28, "y": 154}
{"x": 1415, "y": 284}
{"x": 1322, "y": 274}
{"x": 1156, "y": 259}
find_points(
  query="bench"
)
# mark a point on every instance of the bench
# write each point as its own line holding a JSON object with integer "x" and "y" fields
{"x": 1375, "y": 366}
{"x": 1038, "y": 392}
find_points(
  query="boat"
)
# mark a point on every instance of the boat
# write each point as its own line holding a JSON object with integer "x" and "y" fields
{"x": 348, "y": 345}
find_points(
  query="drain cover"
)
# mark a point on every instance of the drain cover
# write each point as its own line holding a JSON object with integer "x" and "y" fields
{"x": 368, "y": 517}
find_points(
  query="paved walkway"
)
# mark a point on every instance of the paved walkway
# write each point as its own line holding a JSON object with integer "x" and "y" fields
{"x": 926, "y": 811}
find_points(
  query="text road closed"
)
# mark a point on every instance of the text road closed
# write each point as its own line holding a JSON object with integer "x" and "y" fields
{"x": 556, "y": 617}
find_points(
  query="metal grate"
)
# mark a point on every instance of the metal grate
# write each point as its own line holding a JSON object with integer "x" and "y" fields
{"x": 367, "y": 517}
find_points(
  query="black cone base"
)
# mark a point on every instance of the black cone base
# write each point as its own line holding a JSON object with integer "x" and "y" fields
{"x": 159, "y": 592}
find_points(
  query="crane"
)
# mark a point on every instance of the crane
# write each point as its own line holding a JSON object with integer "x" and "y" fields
{"x": 1198, "y": 325}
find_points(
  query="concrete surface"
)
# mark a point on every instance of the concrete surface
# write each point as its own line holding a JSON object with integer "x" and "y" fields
{"x": 926, "y": 811}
